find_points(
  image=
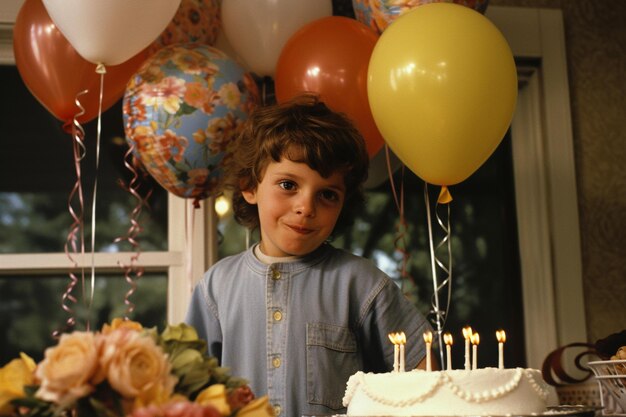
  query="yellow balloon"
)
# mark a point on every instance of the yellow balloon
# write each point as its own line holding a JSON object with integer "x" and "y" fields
{"x": 442, "y": 87}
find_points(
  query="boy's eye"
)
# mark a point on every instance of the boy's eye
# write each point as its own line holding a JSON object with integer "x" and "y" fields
{"x": 287, "y": 185}
{"x": 330, "y": 195}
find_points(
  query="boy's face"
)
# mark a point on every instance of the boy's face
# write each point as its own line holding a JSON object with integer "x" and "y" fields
{"x": 298, "y": 208}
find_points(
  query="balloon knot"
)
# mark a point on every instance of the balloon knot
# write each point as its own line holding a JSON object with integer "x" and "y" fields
{"x": 101, "y": 69}
{"x": 444, "y": 195}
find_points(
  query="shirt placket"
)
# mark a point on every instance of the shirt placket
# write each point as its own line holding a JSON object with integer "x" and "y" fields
{"x": 276, "y": 316}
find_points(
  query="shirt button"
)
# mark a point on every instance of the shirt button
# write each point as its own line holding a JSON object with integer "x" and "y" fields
{"x": 278, "y": 315}
{"x": 277, "y": 410}
{"x": 276, "y": 362}
{"x": 275, "y": 274}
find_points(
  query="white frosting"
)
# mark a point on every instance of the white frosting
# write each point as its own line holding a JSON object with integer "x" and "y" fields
{"x": 488, "y": 391}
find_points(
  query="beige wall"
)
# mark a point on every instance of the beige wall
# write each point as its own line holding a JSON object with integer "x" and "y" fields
{"x": 595, "y": 32}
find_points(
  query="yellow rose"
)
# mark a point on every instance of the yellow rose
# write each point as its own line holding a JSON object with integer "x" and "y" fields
{"x": 136, "y": 367}
{"x": 13, "y": 376}
{"x": 215, "y": 395}
{"x": 259, "y": 407}
{"x": 67, "y": 368}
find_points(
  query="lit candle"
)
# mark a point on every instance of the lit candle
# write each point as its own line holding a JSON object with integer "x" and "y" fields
{"x": 402, "y": 342}
{"x": 428, "y": 339}
{"x": 467, "y": 334}
{"x": 447, "y": 338}
{"x": 501, "y": 336}
{"x": 475, "y": 338}
{"x": 396, "y": 351}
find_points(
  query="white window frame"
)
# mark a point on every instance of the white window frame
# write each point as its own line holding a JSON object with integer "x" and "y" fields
{"x": 545, "y": 183}
{"x": 545, "y": 188}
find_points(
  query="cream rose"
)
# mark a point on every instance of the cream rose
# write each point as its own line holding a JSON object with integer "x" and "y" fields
{"x": 136, "y": 367}
{"x": 67, "y": 368}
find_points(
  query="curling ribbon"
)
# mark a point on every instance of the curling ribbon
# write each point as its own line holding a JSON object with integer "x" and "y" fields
{"x": 440, "y": 315}
{"x": 400, "y": 239}
{"x": 132, "y": 269}
{"x": 77, "y": 230}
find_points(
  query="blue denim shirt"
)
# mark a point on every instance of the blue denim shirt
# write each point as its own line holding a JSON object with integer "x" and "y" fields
{"x": 297, "y": 330}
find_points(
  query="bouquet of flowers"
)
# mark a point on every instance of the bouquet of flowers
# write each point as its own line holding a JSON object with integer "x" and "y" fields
{"x": 126, "y": 370}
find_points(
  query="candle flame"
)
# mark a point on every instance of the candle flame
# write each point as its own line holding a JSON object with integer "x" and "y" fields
{"x": 447, "y": 338}
{"x": 398, "y": 338}
{"x": 428, "y": 337}
{"x": 475, "y": 339}
{"x": 467, "y": 332}
{"x": 501, "y": 336}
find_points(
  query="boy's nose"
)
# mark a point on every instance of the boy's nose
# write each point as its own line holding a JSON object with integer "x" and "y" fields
{"x": 305, "y": 206}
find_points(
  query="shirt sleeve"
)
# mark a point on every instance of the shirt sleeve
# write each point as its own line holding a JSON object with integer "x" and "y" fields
{"x": 390, "y": 311}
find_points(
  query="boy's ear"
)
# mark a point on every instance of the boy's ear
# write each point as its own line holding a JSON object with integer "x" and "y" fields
{"x": 249, "y": 196}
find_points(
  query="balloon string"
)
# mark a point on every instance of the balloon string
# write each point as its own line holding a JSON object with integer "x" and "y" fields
{"x": 100, "y": 69}
{"x": 77, "y": 230}
{"x": 400, "y": 244}
{"x": 438, "y": 315}
{"x": 132, "y": 272}
{"x": 189, "y": 227}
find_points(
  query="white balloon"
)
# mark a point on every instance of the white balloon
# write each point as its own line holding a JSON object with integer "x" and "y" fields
{"x": 258, "y": 29}
{"x": 110, "y": 32}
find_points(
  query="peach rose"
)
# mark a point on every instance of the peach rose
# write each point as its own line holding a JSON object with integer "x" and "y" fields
{"x": 259, "y": 407}
{"x": 118, "y": 323}
{"x": 136, "y": 367}
{"x": 13, "y": 376}
{"x": 67, "y": 368}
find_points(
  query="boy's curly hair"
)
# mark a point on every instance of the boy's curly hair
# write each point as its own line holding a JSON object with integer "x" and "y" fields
{"x": 303, "y": 130}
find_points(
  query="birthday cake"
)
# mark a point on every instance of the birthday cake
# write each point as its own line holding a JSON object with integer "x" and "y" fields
{"x": 487, "y": 391}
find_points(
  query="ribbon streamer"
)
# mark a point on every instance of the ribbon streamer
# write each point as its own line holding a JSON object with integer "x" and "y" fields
{"x": 438, "y": 315}
{"x": 132, "y": 272}
{"x": 76, "y": 233}
{"x": 400, "y": 239}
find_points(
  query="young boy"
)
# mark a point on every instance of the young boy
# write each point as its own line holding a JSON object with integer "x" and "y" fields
{"x": 292, "y": 314}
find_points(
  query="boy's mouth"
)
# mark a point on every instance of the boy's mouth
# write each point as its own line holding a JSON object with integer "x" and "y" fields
{"x": 300, "y": 229}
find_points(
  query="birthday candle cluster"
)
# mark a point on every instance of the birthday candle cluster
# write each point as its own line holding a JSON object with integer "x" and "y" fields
{"x": 471, "y": 339}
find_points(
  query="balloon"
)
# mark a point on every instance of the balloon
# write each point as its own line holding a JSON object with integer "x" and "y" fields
{"x": 442, "y": 85}
{"x": 378, "y": 14}
{"x": 379, "y": 169}
{"x": 258, "y": 29}
{"x": 110, "y": 32}
{"x": 55, "y": 73}
{"x": 330, "y": 57}
{"x": 181, "y": 111}
{"x": 195, "y": 21}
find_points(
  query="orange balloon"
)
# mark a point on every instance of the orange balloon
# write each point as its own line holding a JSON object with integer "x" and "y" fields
{"x": 330, "y": 56}
{"x": 55, "y": 73}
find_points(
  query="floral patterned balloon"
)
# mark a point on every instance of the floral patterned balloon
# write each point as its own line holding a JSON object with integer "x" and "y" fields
{"x": 378, "y": 14}
{"x": 182, "y": 110}
{"x": 196, "y": 21}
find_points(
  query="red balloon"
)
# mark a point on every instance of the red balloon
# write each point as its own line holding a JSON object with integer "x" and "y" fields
{"x": 55, "y": 73}
{"x": 330, "y": 56}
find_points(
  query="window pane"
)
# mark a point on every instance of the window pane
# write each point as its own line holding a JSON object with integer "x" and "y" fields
{"x": 31, "y": 308}
{"x": 37, "y": 174}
